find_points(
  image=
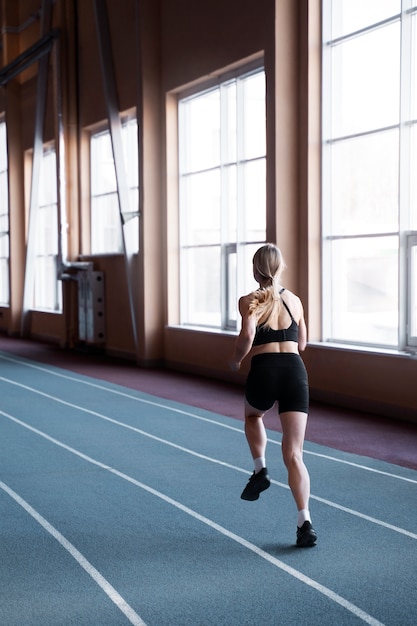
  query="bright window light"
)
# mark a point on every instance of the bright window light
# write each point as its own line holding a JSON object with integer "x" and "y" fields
{"x": 47, "y": 294}
{"x": 106, "y": 233}
{"x": 222, "y": 154}
{"x": 369, "y": 164}
{"x": 4, "y": 219}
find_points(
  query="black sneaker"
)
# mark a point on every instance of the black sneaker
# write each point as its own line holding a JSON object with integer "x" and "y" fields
{"x": 257, "y": 483}
{"x": 306, "y": 536}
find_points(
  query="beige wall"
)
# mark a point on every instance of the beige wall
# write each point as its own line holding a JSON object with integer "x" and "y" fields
{"x": 173, "y": 44}
{"x": 200, "y": 38}
{"x": 383, "y": 384}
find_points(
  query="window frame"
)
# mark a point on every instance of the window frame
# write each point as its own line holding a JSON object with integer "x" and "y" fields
{"x": 5, "y": 214}
{"x": 411, "y": 322}
{"x": 118, "y": 238}
{"x": 47, "y": 286}
{"x": 231, "y": 253}
{"x": 406, "y": 295}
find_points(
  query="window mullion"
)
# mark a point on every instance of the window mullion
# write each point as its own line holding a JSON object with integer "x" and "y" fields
{"x": 240, "y": 184}
{"x": 404, "y": 175}
{"x": 4, "y": 219}
{"x": 224, "y": 274}
{"x": 326, "y": 186}
{"x": 412, "y": 290}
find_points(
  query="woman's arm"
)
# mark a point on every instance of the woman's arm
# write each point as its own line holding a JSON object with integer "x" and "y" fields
{"x": 302, "y": 331}
{"x": 245, "y": 338}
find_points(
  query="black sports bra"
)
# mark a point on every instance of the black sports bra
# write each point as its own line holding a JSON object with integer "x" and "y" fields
{"x": 269, "y": 335}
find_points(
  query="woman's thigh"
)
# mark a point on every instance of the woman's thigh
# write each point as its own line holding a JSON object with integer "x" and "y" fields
{"x": 294, "y": 425}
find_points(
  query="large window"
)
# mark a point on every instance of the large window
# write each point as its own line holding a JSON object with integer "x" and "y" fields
{"x": 4, "y": 219}
{"x": 106, "y": 234}
{"x": 369, "y": 165}
{"x": 47, "y": 289}
{"x": 222, "y": 155}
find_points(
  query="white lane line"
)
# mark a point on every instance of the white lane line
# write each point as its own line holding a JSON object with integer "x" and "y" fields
{"x": 188, "y": 414}
{"x": 310, "y": 582}
{"x": 108, "y": 589}
{"x": 363, "y": 467}
{"x": 334, "y": 505}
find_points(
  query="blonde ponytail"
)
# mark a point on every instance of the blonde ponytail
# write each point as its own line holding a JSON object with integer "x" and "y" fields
{"x": 268, "y": 265}
{"x": 265, "y": 305}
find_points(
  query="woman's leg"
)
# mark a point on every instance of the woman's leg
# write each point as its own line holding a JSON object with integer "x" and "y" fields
{"x": 255, "y": 431}
{"x": 256, "y": 438}
{"x": 293, "y": 432}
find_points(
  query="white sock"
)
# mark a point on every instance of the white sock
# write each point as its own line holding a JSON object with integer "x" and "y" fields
{"x": 303, "y": 516}
{"x": 259, "y": 464}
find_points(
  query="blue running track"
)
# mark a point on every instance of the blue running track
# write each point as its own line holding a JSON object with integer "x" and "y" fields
{"x": 118, "y": 507}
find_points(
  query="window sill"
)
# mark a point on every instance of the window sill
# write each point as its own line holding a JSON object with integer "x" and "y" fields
{"x": 202, "y": 329}
{"x": 46, "y": 311}
{"x": 347, "y": 347}
{"x": 411, "y": 353}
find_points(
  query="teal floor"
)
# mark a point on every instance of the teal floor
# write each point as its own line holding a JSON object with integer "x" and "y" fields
{"x": 121, "y": 507}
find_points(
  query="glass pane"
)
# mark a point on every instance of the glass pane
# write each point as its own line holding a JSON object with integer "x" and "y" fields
{"x": 365, "y": 184}
{"x": 4, "y": 202}
{"x": 134, "y": 199}
{"x": 4, "y": 226}
{"x": 4, "y": 219}
{"x": 47, "y": 290}
{"x": 366, "y": 80}
{"x": 413, "y": 179}
{"x": 3, "y": 147}
{"x": 222, "y": 190}
{"x": 414, "y": 68}
{"x": 249, "y": 251}
{"x": 40, "y": 298}
{"x": 349, "y": 16}
{"x": 201, "y": 208}
{"x": 131, "y": 235}
{"x": 232, "y": 295}
{"x": 103, "y": 175}
{"x": 413, "y": 293}
{"x": 47, "y": 231}
{"x": 4, "y": 280}
{"x": 47, "y": 179}
{"x": 364, "y": 302}
{"x": 201, "y": 145}
{"x": 254, "y": 200}
{"x": 229, "y": 128}
{"x": 230, "y": 198}
{"x": 4, "y": 246}
{"x": 105, "y": 216}
{"x": 202, "y": 286}
{"x": 130, "y": 145}
{"x": 254, "y": 131}
{"x": 131, "y": 226}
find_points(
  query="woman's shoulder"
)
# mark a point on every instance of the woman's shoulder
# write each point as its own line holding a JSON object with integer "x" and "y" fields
{"x": 247, "y": 299}
{"x": 247, "y": 302}
{"x": 292, "y": 300}
{"x": 290, "y": 294}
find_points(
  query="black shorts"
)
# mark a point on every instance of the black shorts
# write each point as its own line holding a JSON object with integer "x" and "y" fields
{"x": 278, "y": 377}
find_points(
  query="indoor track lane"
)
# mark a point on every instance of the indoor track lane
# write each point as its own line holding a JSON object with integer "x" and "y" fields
{"x": 119, "y": 507}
